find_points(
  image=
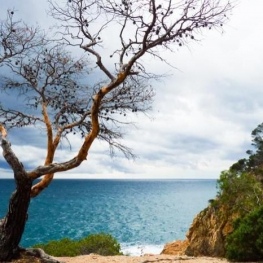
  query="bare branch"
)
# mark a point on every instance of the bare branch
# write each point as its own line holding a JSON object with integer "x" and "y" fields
{"x": 16, "y": 38}
{"x": 10, "y": 156}
{"x": 54, "y": 84}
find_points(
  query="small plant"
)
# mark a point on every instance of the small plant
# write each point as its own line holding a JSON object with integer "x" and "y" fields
{"x": 102, "y": 244}
{"x": 245, "y": 243}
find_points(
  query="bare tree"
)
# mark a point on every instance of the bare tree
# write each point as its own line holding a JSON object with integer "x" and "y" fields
{"x": 116, "y": 37}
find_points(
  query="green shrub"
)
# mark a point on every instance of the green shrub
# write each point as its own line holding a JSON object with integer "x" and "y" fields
{"x": 59, "y": 248}
{"x": 102, "y": 244}
{"x": 245, "y": 243}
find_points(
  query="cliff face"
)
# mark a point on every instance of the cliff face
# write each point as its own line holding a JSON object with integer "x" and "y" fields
{"x": 207, "y": 233}
{"x": 206, "y": 236}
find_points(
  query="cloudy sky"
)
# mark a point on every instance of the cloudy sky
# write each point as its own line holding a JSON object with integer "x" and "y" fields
{"x": 203, "y": 114}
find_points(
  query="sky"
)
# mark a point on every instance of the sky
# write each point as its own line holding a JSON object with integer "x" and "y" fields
{"x": 203, "y": 112}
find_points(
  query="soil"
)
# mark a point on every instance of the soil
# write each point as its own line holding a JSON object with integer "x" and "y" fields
{"x": 142, "y": 259}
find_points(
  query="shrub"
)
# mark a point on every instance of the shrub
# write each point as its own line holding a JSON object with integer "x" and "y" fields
{"x": 245, "y": 243}
{"x": 102, "y": 244}
{"x": 60, "y": 248}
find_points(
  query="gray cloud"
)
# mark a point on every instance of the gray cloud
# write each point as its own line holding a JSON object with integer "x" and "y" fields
{"x": 203, "y": 114}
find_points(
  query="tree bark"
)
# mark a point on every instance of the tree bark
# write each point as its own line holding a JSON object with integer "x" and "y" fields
{"x": 12, "y": 226}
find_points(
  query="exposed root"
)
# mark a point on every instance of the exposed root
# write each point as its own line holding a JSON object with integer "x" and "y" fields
{"x": 34, "y": 255}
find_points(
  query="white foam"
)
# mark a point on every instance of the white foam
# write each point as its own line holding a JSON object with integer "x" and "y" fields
{"x": 139, "y": 250}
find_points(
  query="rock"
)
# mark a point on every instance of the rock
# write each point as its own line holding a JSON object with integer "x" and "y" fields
{"x": 175, "y": 248}
{"x": 207, "y": 233}
{"x": 205, "y": 237}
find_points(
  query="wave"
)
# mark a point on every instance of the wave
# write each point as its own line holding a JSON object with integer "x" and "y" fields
{"x": 139, "y": 250}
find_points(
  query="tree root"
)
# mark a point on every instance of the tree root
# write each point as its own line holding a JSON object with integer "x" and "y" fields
{"x": 40, "y": 254}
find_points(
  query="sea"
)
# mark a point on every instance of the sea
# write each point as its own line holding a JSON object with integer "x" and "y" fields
{"x": 143, "y": 215}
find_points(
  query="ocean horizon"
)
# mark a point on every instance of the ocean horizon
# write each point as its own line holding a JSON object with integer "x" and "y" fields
{"x": 143, "y": 215}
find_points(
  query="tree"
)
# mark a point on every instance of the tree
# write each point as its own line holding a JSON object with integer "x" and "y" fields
{"x": 239, "y": 204}
{"x": 47, "y": 80}
{"x": 239, "y": 193}
{"x": 245, "y": 242}
{"x": 253, "y": 164}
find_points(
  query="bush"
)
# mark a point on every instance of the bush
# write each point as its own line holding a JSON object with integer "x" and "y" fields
{"x": 245, "y": 243}
{"x": 102, "y": 244}
{"x": 60, "y": 248}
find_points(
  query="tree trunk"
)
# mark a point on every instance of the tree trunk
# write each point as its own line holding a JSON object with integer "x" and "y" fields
{"x": 12, "y": 226}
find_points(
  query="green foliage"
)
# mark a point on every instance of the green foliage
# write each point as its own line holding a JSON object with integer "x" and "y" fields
{"x": 255, "y": 158}
{"x": 59, "y": 248}
{"x": 245, "y": 243}
{"x": 239, "y": 193}
{"x": 102, "y": 244}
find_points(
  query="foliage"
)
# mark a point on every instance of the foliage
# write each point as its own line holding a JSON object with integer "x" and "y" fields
{"x": 102, "y": 244}
{"x": 239, "y": 193}
{"x": 59, "y": 248}
{"x": 255, "y": 158}
{"x": 245, "y": 243}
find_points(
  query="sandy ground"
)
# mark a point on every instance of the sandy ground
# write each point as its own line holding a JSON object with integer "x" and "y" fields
{"x": 142, "y": 259}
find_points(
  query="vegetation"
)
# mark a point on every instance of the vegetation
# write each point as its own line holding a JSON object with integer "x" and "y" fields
{"x": 245, "y": 243}
{"x": 102, "y": 244}
{"x": 239, "y": 193}
{"x": 59, "y": 248}
{"x": 253, "y": 164}
{"x": 240, "y": 199}
{"x": 91, "y": 95}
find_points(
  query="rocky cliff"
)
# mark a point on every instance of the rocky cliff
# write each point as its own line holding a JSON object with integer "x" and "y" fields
{"x": 207, "y": 233}
{"x": 206, "y": 236}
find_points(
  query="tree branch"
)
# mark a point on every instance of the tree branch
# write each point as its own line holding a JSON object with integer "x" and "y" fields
{"x": 10, "y": 156}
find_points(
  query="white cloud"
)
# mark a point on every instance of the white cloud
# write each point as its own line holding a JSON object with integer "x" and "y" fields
{"x": 203, "y": 113}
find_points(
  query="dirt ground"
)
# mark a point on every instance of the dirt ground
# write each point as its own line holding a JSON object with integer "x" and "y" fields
{"x": 141, "y": 259}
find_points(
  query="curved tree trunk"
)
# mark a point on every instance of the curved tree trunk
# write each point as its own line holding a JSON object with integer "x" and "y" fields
{"x": 12, "y": 226}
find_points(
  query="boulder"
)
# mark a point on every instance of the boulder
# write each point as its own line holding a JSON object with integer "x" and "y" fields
{"x": 176, "y": 248}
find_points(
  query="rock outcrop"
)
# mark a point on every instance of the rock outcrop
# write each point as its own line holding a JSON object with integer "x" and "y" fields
{"x": 176, "y": 248}
{"x": 206, "y": 236}
{"x": 207, "y": 233}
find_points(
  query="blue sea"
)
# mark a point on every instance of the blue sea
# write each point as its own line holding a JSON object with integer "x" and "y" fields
{"x": 142, "y": 215}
